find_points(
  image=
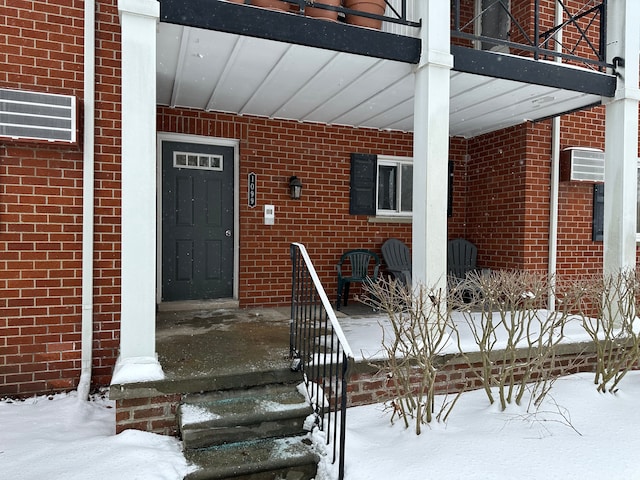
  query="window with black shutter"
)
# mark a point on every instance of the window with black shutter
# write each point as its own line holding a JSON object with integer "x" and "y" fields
{"x": 384, "y": 186}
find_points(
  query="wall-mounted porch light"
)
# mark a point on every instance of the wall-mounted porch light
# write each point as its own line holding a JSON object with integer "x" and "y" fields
{"x": 295, "y": 187}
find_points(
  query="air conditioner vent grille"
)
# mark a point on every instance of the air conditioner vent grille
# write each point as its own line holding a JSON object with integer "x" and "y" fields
{"x": 37, "y": 116}
{"x": 582, "y": 164}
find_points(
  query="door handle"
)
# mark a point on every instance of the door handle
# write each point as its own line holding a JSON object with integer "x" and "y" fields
{"x": 227, "y": 233}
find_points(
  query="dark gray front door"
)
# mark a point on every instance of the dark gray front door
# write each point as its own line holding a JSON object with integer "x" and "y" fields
{"x": 197, "y": 221}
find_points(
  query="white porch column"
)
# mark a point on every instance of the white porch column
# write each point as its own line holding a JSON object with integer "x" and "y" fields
{"x": 621, "y": 137}
{"x": 138, "y": 19}
{"x": 431, "y": 147}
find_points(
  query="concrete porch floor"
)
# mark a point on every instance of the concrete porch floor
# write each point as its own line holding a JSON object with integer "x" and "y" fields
{"x": 219, "y": 342}
{"x": 214, "y": 348}
{"x": 210, "y": 347}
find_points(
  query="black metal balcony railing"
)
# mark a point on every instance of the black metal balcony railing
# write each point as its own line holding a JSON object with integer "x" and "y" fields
{"x": 320, "y": 351}
{"x": 587, "y": 25}
{"x": 396, "y": 12}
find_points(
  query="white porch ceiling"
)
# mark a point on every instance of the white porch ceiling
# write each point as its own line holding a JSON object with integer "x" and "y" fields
{"x": 217, "y": 71}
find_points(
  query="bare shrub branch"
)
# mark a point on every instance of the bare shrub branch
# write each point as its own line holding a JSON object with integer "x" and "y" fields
{"x": 421, "y": 327}
{"x": 607, "y": 308}
{"x": 516, "y": 337}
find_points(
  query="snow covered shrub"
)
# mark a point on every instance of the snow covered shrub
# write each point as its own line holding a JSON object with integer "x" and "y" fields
{"x": 608, "y": 307}
{"x": 421, "y": 327}
{"x": 515, "y": 336}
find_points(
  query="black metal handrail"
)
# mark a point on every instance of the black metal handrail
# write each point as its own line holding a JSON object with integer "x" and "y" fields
{"x": 320, "y": 351}
{"x": 593, "y": 34}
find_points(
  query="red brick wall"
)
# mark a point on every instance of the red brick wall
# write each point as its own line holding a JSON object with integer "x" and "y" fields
{"x": 41, "y": 49}
{"x": 369, "y": 384}
{"x": 537, "y": 197}
{"x": 572, "y": 35}
{"x": 578, "y": 254}
{"x": 319, "y": 155}
{"x": 496, "y": 175}
{"x": 150, "y": 414}
{"x": 523, "y": 11}
{"x": 107, "y": 265}
{"x": 495, "y": 209}
{"x": 508, "y": 197}
{"x": 456, "y": 223}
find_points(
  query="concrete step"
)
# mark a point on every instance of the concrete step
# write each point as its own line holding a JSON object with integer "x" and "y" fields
{"x": 289, "y": 458}
{"x": 228, "y": 417}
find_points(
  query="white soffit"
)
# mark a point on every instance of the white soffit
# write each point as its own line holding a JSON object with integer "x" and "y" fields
{"x": 217, "y": 71}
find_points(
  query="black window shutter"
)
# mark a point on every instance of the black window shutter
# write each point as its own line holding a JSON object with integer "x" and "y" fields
{"x": 450, "y": 191}
{"x": 597, "y": 234}
{"x": 362, "y": 196}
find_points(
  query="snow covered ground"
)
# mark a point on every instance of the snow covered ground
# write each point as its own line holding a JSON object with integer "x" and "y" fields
{"x": 59, "y": 437}
{"x": 576, "y": 434}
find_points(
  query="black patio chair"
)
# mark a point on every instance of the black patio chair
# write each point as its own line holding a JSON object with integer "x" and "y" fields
{"x": 398, "y": 260}
{"x": 356, "y": 266}
{"x": 462, "y": 256}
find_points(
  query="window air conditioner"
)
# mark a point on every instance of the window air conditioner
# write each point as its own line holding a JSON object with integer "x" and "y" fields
{"x": 582, "y": 165}
{"x": 37, "y": 116}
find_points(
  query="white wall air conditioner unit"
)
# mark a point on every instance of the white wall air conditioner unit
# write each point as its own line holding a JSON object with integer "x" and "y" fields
{"x": 582, "y": 165}
{"x": 37, "y": 116}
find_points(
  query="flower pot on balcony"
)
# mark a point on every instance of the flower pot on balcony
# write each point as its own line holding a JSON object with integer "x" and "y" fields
{"x": 271, "y": 4}
{"x": 369, "y": 6}
{"x": 321, "y": 13}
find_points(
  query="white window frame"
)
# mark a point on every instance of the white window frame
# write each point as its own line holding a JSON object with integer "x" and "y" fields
{"x": 204, "y": 161}
{"x": 398, "y": 162}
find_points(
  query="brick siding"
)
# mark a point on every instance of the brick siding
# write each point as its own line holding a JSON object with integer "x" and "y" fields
{"x": 320, "y": 156}
{"x": 41, "y": 49}
{"x": 367, "y": 386}
{"x": 500, "y": 202}
{"x": 155, "y": 414}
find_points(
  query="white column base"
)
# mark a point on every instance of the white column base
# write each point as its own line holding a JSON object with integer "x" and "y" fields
{"x": 136, "y": 369}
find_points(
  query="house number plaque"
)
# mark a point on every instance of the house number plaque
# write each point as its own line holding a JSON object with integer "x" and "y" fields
{"x": 252, "y": 190}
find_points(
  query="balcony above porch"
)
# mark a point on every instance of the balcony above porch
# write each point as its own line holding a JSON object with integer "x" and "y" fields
{"x": 216, "y": 55}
